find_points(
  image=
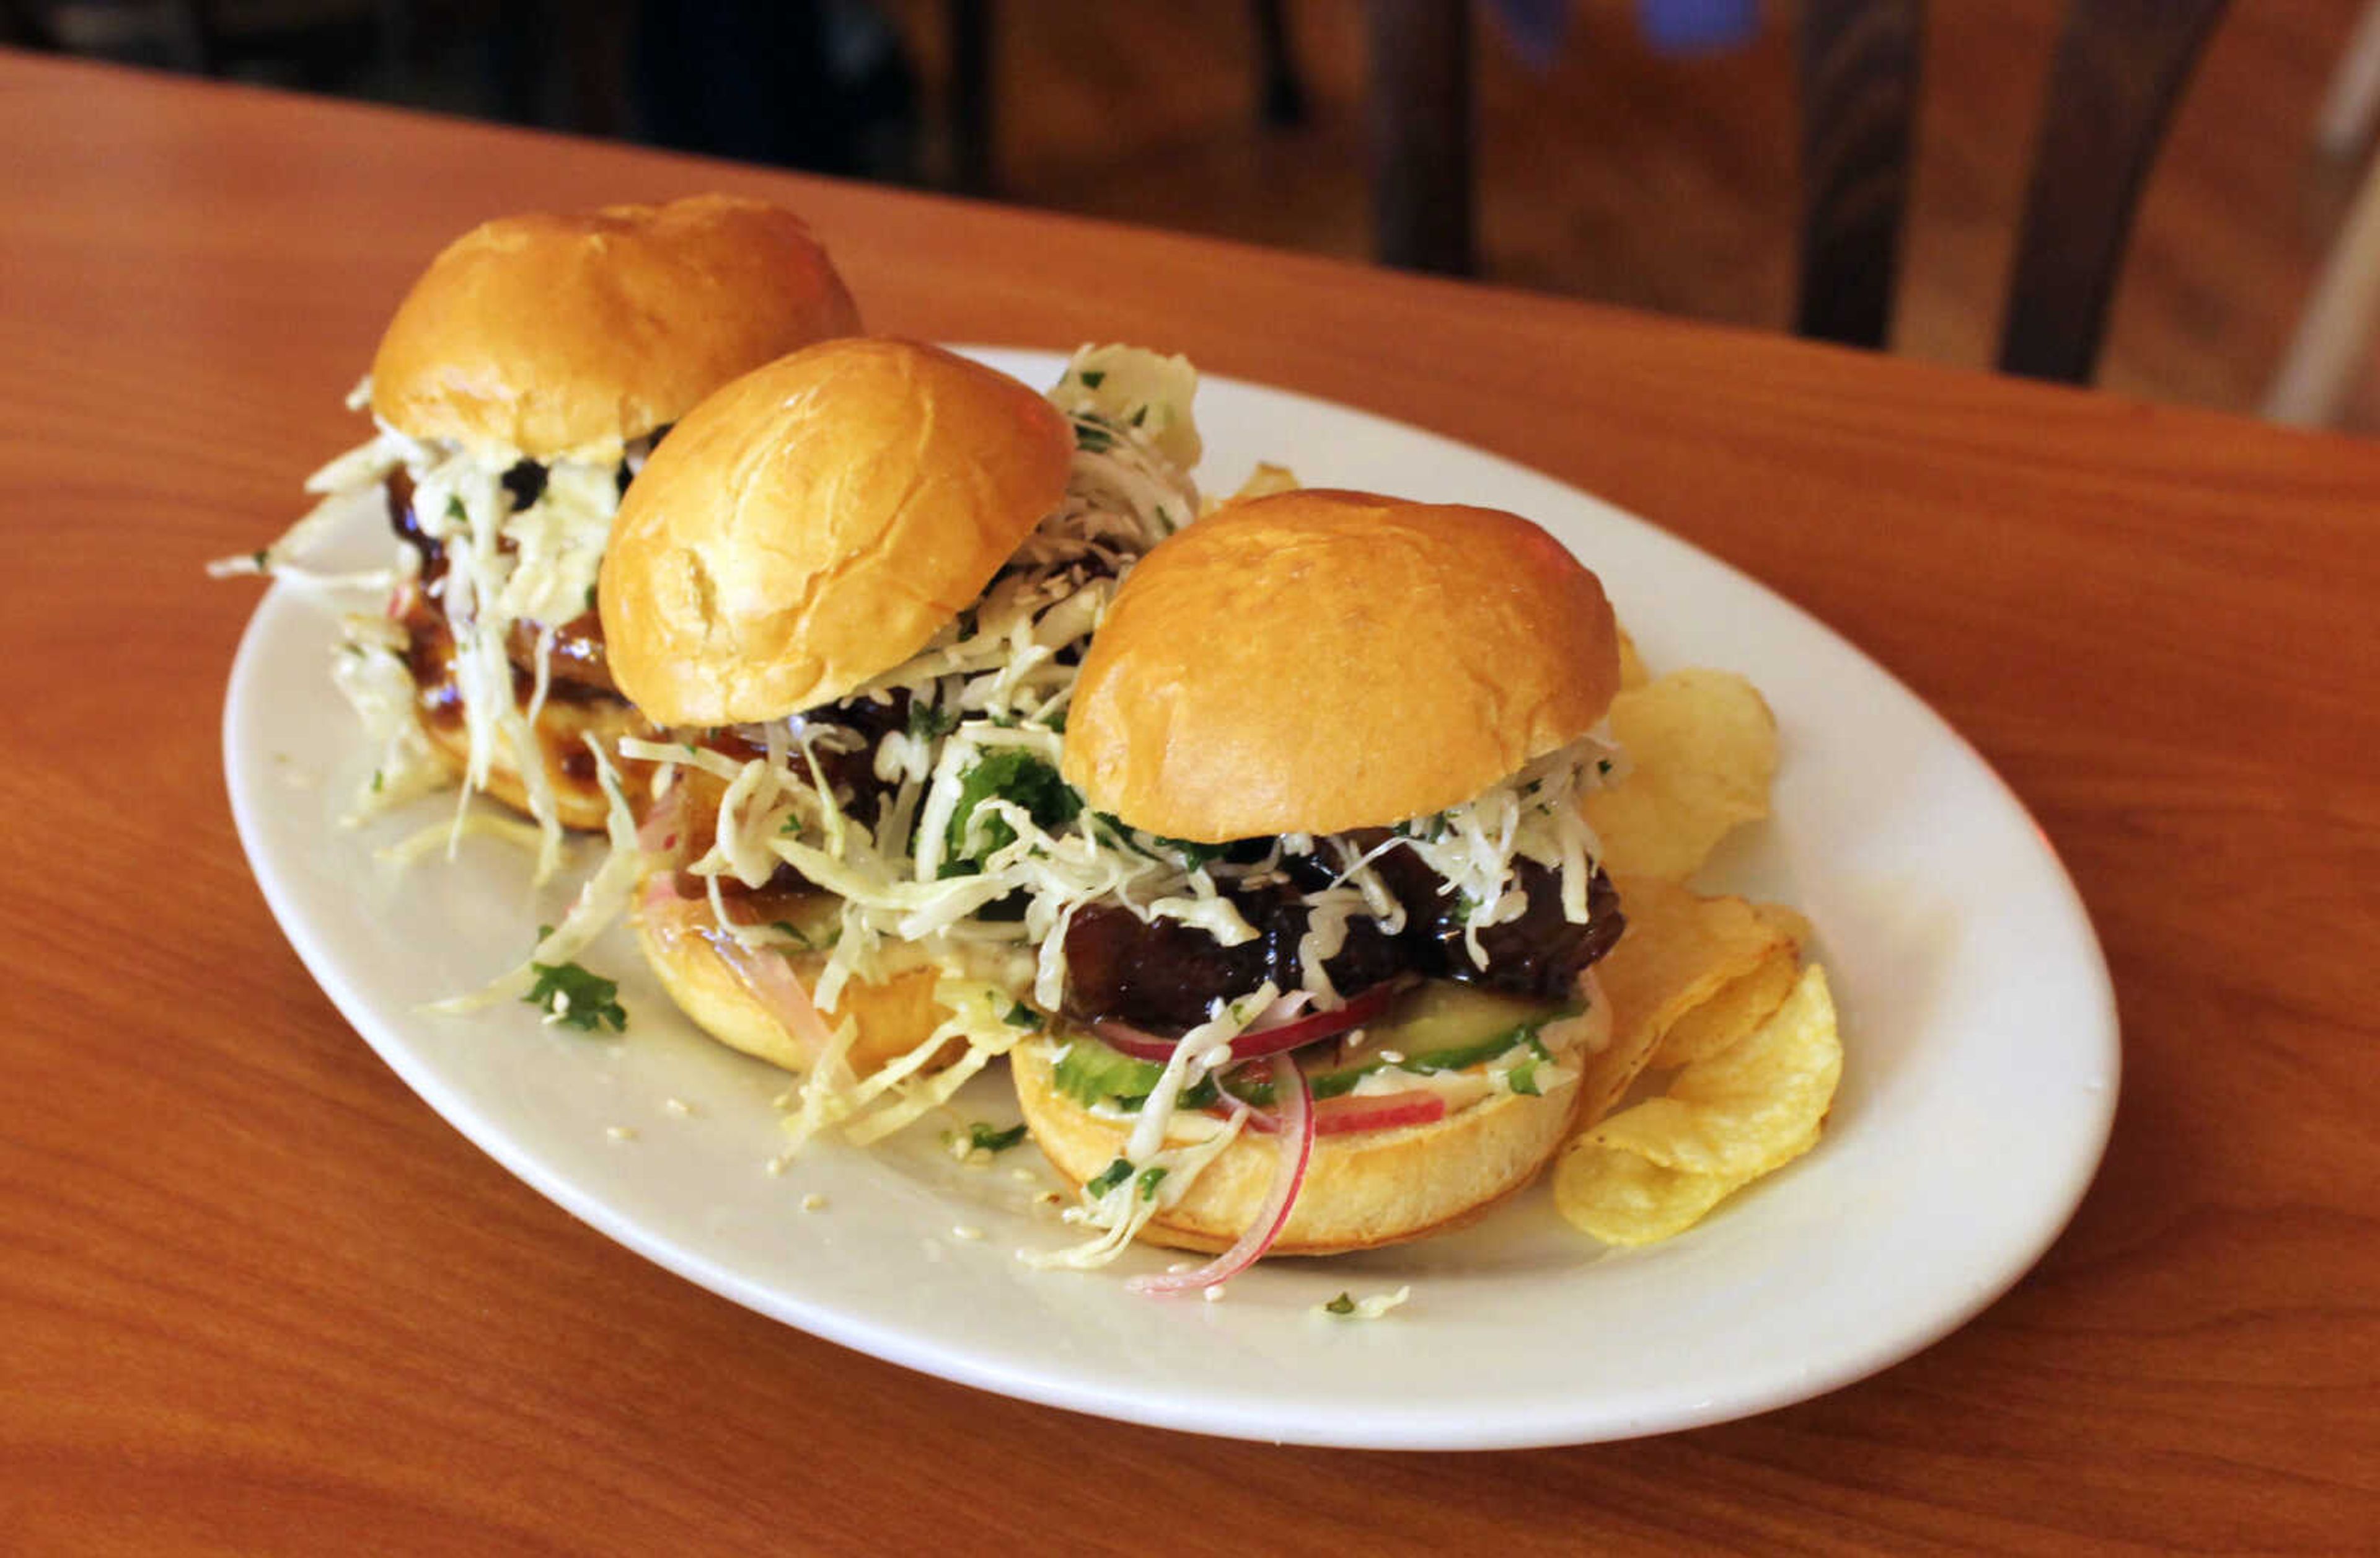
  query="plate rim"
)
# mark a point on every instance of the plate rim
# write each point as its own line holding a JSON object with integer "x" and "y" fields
{"x": 1414, "y": 1429}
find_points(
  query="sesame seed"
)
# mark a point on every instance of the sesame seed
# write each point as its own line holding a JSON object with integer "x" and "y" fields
{"x": 1213, "y": 1295}
{"x": 966, "y": 1231}
{"x": 814, "y": 1202}
{"x": 678, "y": 1107}
{"x": 621, "y": 1133}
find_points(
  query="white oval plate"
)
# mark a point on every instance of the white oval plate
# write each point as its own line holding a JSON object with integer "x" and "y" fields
{"x": 1976, "y": 1098}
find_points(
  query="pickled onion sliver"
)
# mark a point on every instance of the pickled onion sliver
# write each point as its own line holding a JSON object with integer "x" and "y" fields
{"x": 1288, "y": 1177}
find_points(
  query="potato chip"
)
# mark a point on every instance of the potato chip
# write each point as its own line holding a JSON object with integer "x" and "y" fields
{"x": 1702, "y": 752}
{"x": 1632, "y": 673}
{"x": 1262, "y": 482}
{"x": 1680, "y": 952}
{"x": 1605, "y": 1075}
{"x": 1625, "y": 1200}
{"x": 1732, "y": 1011}
{"x": 1723, "y": 1123}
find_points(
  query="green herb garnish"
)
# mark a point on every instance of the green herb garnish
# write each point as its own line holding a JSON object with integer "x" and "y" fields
{"x": 1094, "y": 438}
{"x": 1150, "y": 1178}
{"x": 1109, "y": 1177}
{"x": 984, "y": 1137}
{"x": 1092, "y": 378}
{"x": 1015, "y": 775}
{"x": 1022, "y": 1016}
{"x": 575, "y": 997}
{"x": 929, "y": 722}
{"x": 1342, "y": 1305}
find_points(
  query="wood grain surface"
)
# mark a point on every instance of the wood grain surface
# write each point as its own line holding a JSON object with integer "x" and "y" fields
{"x": 256, "y": 1298}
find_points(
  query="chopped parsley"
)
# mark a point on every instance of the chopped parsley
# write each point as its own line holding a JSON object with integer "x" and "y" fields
{"x": 790, "y": 929}
{"x": 1022, "y": 1016}
{"x": 1109, "y": 1177}
{"x": 1158, "y": 846}
{"x": 1522, "y": 1078}
{"x": 1092, "y": 437}
{"x": 1150, "y": 1178}
{"x": 929, "y": 722}
{"x": 1092, "y": 378}
{"x": 982, "y": 1137}
{"x": 1012, "y": 775}
{"x": 575, "y": 997}
{"x": 1342, "y": 1305}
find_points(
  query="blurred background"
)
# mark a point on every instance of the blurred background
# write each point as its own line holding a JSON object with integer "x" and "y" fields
{"x": 1646, "y": 153}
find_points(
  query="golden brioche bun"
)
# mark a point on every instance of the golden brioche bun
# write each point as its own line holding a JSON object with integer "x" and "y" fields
{"x": 1318, "y": 660}
{"x": 894, "y": 1018}
{"x": 562, "y": 726}
{"x": 816, "y": 522}
{"x": 550, "y": 335}
{"x": 1361, "y": 1189}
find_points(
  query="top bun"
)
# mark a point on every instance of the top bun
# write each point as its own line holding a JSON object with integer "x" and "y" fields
{"x": 556, "y": 334}
{"x": 816, "y": 522}
{"x": 1319, "y": 660}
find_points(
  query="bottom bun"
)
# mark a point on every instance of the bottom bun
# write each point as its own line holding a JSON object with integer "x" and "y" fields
{"x": 562, "y": 727}
{"x": 892, "y": 1018}
{"x": 1361, "y": 1189}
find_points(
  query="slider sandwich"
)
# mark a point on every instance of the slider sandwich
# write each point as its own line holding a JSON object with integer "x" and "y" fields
{"x": 855, "y": 587}
{"x": 1345, "y": 996}
{"x": 518, "y": 390}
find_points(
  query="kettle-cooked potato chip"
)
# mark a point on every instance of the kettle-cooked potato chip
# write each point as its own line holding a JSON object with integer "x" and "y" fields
{"x": 1683, "y": 954}
{"x": 1702, "y": 752}
{"x": 1654, "y": 1169}
{"x": 1263, "y": 482}
{"x": 1745, "y": 1002}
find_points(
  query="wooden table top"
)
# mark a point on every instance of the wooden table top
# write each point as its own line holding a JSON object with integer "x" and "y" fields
{"x": 257, "y": 1297}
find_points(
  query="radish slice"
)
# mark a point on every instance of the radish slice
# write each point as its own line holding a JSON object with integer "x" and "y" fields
{"x": 1345, "y": 1115}
{"x": 1257, "y": 1041}
{"x": 1288, "y": 1175}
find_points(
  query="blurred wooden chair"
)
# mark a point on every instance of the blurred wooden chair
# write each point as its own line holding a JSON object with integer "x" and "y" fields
{"x": 2334, "y": 334}
{"x": 969, "y": 35}
{"x": 2118, "y": 69}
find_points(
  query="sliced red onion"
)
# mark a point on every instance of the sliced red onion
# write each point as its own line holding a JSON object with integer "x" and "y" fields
{"x": 770, "y": 980}
{"x": 1288, "y": 1176}
{"x": 1257, "y": 1040}
{"x": 658, "y": 833}
{"x": 765, "y": 975}
{"x": 1282, "y": 1008}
